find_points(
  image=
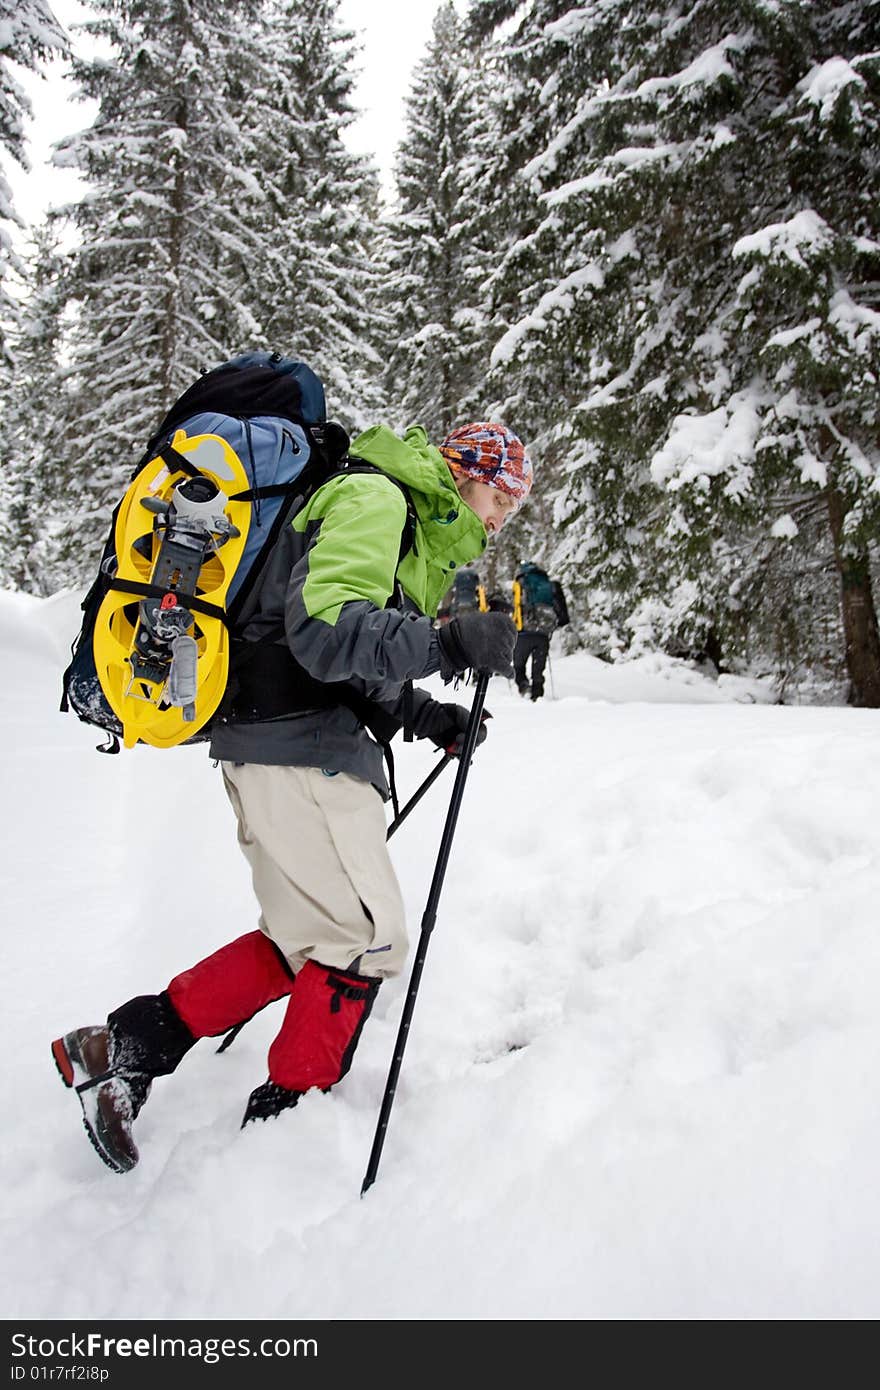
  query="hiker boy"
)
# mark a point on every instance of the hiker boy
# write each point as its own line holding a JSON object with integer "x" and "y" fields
{"x": 306, "y": 779}
{"x": 538, "y": 609}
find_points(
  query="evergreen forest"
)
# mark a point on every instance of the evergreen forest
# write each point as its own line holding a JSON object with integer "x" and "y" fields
{"x": 645, "y": 236}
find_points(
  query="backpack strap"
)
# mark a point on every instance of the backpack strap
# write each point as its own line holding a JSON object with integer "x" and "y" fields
{"x": 255, "y": 494}
{"x": 177, "y": 462}
{"x": 517, "y": 605}
{"x": 197, "y": 605}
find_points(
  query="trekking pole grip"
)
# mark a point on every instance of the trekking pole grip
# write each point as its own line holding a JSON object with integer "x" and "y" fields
{"x": 428, "y": 918}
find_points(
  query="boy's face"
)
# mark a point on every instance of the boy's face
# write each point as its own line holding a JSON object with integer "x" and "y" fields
{"x": 491, "y": 505}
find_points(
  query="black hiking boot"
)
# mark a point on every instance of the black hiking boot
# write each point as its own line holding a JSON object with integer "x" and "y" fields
{"x": 269, "y": 1100}
{"x": 111, "y": 1067}
{"x": 110, "y": 1097}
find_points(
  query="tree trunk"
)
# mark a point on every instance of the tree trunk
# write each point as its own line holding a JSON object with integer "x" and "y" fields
{"x": 175, "y": 262}
{"x": 859, "y": 614}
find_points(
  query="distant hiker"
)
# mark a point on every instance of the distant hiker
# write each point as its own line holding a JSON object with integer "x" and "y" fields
{"x": 306, "y": 779}
{"x": 465, "y": 595}
{"x": 539, "y": 607}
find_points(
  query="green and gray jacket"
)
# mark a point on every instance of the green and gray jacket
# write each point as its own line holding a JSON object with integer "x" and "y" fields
{"x": 327, "y": 584}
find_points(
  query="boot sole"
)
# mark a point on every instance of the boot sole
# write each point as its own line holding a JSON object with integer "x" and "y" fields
{"x": 71, "y": 1071}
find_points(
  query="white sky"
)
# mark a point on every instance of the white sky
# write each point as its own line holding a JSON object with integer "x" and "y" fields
{"x": 641, "y": 1078}
{"x": 393, "y": 38}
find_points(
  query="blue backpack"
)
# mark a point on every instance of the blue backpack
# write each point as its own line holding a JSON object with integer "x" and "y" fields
{"x": 536, "y": 585}
{"x": 538, "y": 599}
{"x": 271, "y": 411}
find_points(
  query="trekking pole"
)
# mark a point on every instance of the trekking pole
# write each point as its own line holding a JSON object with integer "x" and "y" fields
{"x": 428, "y": 918}
{"x": 413, "y": 801}
{"x": 550, "y": 670}
{"x": 417, "y": 795}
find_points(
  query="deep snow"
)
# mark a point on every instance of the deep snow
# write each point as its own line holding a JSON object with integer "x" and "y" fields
{"x": 641, "y": 1077}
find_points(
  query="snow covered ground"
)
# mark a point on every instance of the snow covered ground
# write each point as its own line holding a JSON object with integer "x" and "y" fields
{"x": 641, "y": 1081}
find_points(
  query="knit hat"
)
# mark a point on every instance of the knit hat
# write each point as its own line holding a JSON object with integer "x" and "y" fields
{"x": 490, "y": 453}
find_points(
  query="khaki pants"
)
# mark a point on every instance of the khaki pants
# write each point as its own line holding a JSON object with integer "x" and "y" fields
{"x": 321, "y": 871}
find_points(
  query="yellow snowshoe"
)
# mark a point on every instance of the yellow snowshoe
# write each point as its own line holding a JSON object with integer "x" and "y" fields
{"x": 161, "y": 645}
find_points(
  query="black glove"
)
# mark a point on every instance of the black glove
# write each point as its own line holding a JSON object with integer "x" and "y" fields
{"x": 477, "y": 642}
{"x": 445, "y": 726}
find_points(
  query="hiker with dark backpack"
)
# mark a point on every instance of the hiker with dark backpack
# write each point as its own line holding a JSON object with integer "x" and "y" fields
{"x": 464, "y": 595}
{"x": 539, "y": 608}
{"x": 340, "y": 625}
